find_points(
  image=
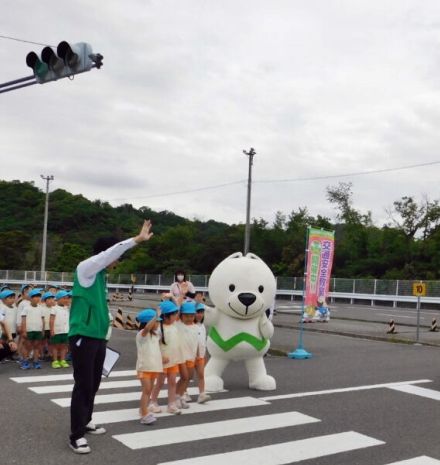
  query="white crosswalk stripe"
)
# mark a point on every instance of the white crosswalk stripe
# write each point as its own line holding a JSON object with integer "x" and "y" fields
{"x": 287, "y": 452}
{"x": 249, "y": 421}
{"x": 115, "y": 416}
{"x": 422, "y": 460}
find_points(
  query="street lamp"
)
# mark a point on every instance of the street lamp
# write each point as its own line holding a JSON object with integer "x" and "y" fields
{"x": 46, "y": 214}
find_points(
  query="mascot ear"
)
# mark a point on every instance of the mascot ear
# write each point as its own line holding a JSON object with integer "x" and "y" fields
{"x": 235, "y": 255}
{"x": 253, "y": 256}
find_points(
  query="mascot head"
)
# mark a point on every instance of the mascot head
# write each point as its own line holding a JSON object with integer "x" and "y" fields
{"x": 242, "y": 286}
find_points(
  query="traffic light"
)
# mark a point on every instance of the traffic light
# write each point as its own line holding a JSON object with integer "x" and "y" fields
{"x": 67, "y": 60}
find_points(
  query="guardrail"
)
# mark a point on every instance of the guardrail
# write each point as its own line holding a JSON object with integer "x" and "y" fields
{"x": 354, "y": 291}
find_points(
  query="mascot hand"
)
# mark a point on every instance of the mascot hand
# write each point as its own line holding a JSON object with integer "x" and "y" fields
{"x": 211, "y": 316}
{"x": 266, "y": 327}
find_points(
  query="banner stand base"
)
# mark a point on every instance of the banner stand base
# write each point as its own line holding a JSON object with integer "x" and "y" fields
{"x": 299, "y": 354}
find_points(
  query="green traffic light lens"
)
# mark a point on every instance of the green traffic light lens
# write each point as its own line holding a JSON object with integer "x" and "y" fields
{"x": 41, "y": 69}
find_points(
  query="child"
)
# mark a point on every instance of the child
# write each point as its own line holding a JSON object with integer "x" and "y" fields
{"x": 47, "y": 302}
{"x": 201, "y": 351}
{"x": 149, "y": 359}
{"x": 32, "y": 330}
{"x": 169, "y": 346}
{"x": 188, "y": 333}
{"x": 7, "y": 298}
{"x": 21, "y": 303}
{"x": 59, "y": 328}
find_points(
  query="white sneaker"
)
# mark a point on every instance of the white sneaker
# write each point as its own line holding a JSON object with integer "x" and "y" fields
{"x": 173, "y": 409}
{"x": 91, "y": 428}
{"x": 203, "y": 398}
{"x": 148, "y": 419}
{"x": 178, "y": 402}
{"x": 154, "y": 408}
{"x": 80, "y": 446}
{"x": 187, "y": 397}
{"x": 183, "y": 403}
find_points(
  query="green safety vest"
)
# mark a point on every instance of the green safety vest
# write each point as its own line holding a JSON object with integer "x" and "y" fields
{"x": 89, "y": 314}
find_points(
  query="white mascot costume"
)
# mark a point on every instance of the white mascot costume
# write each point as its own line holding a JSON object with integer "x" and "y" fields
{"x": 242, "y": 288}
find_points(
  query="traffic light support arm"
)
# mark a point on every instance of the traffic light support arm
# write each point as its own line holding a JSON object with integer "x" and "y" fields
{"x": 23, "y": 82}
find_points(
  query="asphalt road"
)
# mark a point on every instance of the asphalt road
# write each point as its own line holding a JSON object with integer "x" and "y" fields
{"x": 352, "y": 423}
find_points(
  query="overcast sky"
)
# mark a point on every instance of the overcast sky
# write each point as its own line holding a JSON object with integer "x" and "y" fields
{"x": 317, "y": 87}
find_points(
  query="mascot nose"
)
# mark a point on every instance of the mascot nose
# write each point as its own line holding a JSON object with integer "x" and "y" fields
{"x": 246, "y": 298}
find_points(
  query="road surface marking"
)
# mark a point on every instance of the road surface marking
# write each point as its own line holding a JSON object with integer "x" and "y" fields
{"x": 418, "y": 391}
{"x": 115, "y": 416}
{"x": 122, "y": 397}
{"x": 348, "y": 389}
{"x": 66, "y": 377}
{"x": 177, "y": 435}
{"x": 287, "y": 452}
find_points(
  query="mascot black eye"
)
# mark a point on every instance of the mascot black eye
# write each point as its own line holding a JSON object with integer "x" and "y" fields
{"x": 260, "y": 288}
{"x": 231, "y": 287}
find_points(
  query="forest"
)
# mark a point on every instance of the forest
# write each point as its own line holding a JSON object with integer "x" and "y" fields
{"x": 407, "y": 247}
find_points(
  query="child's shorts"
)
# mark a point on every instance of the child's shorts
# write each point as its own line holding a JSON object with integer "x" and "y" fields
{"x": 147, "y": 375}
{"x": 171, "y": 370}
{"x": 190, "y": 363}
{"x": 59, "y": 339}
{"x": 34, "y": 336}
{"x": 200, "y": 361}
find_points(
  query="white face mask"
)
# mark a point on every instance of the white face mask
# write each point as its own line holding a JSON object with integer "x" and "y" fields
{"x": 180, "y": 277}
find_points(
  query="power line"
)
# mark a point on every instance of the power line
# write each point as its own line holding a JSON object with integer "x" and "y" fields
{"x": 278, "y": 181}
{"x": 347, "y": 175}
{"x": 25, "y": 41}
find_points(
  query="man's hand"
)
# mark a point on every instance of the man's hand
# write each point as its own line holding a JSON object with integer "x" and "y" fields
{"x": 145, "y": 233}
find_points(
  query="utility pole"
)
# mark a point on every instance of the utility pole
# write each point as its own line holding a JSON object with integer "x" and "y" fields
{"x": 46, "y": 214}
{"x": 247, "y": 232}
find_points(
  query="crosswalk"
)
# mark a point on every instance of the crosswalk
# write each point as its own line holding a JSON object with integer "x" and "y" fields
{"x": 241, "y": 419}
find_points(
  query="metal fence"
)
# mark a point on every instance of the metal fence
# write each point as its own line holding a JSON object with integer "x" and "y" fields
{"x": 391, "y": 287}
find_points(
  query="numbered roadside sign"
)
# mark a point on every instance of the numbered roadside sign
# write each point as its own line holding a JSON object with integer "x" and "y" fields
{"x": 419, "y": 289}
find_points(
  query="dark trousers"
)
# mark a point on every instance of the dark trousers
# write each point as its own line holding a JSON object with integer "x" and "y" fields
{"x": 88, "y": 356}
{"x": 5, "y": 350}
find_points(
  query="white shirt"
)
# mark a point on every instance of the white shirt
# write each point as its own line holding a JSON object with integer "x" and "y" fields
{"x": 61, "y": 323}
{"x": 171, "y": 348}
{"x": 89, "y": 268}
{"x": 20, "y": 308}
{"x": 10, "y": 316}
{"x": 34, "y": 320}
{"x": 46, "y": 313}
{"x": 188, "y": 335}
{"x": 201, "y": 339}
{"x": 149, "y": 356}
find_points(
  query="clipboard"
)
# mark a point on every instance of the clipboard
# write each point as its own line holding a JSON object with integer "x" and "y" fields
{"x": 111, "y": 357}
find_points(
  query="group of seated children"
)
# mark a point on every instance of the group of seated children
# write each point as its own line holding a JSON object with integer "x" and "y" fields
{"x": 36, "y": 321}
{"x": 171, "y": 344}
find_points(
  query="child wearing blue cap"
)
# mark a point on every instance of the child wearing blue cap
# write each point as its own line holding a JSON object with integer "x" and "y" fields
{"x": 188, "y": 339}
{"x": 59, "y": 328}
{"x": 201, "y": 352}
{"x": 170, "y": 349}
{"x": 7, "y": 306}
{"x": 149, "y": 359}
{"x": 22, "y": 301}
{"x": 32, "y": 330}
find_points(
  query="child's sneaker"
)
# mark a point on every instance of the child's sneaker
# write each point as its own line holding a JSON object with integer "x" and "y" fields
{"x": 24, "y": 365}
{"x": 183, "y": 403}
{"x": 94, "y": 429}
{"x": 203, "y": 398}
{"x": 55, "y": 364}
{"x": 80, "y": 446}
{"x": 173, "y": 409}
{"x": 37, "y": 365}
{"x": 64, "y": 364}
{"x": 187, "y": 397}
{"x": 148, "y": 419}
{"x": 154, "y": 408}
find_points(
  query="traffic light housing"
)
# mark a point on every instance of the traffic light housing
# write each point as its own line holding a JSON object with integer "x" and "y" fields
{"x": 66, "y": 61}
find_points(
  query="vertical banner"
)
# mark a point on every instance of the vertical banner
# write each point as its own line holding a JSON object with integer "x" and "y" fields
{"x": 320, "y": 251}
